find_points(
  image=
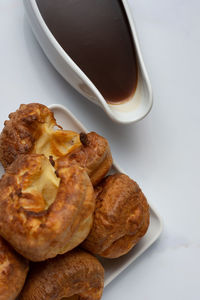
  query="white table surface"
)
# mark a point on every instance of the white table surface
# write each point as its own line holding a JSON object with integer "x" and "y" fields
{"x": 161, "y": 152}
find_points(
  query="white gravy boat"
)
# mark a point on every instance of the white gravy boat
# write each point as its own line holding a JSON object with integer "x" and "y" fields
{"x": 131, "y": 111}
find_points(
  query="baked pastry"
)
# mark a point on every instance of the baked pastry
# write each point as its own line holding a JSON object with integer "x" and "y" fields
{"x": 121, "y": 217}
{"x": 74, "y": 275}
{"x": 31, "y": 129}
{"x": 13, "y": 271}
{"x": 94, "y": 155}
{"x": 43, "y": 214}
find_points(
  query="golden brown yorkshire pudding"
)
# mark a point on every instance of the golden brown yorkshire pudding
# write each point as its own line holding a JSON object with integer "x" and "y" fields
{"x": 31, "y": 130}
{"x": 94, "y": 155}
{"x": 13, "y": 271}
{"x": 121, "y": 217}
{"x": 74, "y": 275}
{"x": 43, "y": 214}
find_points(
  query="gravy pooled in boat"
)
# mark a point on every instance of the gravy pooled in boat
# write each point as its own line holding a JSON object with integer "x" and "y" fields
{"x": 97, "y": 36}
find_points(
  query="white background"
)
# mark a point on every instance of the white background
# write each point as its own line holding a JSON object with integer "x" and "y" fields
{"x": 161, "y": 152}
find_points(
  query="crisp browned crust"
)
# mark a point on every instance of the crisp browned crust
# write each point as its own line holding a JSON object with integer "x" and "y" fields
{"x": 74, "y": 273}
{"x": 94, "y": 155}
{"x": 35, "y": 224}
{"x": 31, "y": 130}
{"x": 21, "y": 131}
{"x": 121, "y": 217}
{"x": 13, "y": 271}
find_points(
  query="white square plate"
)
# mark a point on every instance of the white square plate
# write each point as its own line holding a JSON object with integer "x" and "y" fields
{"x": 113, "y": 267}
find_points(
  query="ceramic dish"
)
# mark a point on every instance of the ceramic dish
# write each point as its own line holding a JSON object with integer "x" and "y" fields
{"x": 131, "y": 111}
{"x": 113, "y": 267}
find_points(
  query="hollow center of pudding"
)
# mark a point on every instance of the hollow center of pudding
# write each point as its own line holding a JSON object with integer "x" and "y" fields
{"x": 56, "y": 143}
{"x": 40, "y": 189}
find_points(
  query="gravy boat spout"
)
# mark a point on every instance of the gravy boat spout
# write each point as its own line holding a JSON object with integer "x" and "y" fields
{"x": 134, "y": 109}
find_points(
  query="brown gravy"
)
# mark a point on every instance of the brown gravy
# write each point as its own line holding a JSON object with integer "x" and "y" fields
{"x": 97, "y": 36}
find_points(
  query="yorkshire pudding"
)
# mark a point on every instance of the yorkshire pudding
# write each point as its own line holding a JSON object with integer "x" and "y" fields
{"x": 13, "y": 271}
{"x": 74, "y": 275}
{"x": 31, "y": 130}
{"x": 94, "y": 155}
{"x": 43, "y": 214}
{"x": 121, "y": 217}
